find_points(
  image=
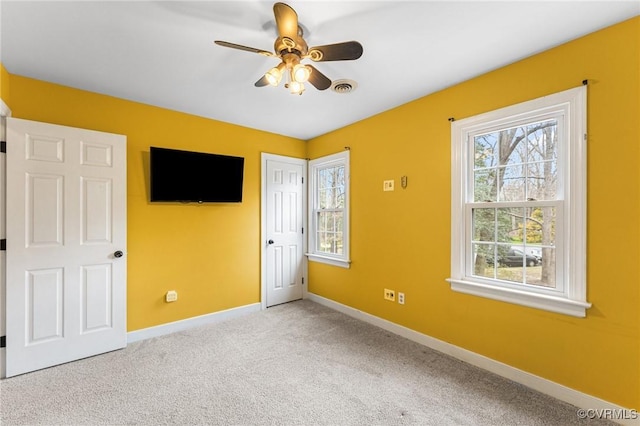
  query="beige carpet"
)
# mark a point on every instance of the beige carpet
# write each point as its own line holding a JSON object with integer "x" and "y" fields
{"x": 295, "y": 364}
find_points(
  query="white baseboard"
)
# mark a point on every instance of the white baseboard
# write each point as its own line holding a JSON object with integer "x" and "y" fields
{"x": 3, "y": 370}
{"x": 556, "y": 390}
{"x": 172, "y": 327}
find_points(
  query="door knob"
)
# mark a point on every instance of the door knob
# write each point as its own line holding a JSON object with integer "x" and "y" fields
{"x": 118, "y": 254}
{"x": 270, "y": 242}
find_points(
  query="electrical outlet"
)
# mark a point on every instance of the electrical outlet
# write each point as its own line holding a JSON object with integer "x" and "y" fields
{"x": 388, "y": 185}
{"x": 171, "y": 296}
{"x": 389, "y": 295}
{"x": 401, "y": 298}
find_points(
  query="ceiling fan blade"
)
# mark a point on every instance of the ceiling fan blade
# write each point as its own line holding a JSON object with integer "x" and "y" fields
{"x": 346, "y": 51}
{"x": 318, "y": 80}
{"x": 286, "y": 20}
{"x": 262, "y": 82}
{"x": 241, "y": 47}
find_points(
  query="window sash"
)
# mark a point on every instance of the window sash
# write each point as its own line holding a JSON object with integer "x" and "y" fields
{"x": 559, "y": 115}
{"x": 330, "y": 229}
{"x": 559, "y": 287}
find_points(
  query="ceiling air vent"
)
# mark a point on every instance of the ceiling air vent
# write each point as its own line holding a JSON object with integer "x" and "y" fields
{"x": 344, "y": 86}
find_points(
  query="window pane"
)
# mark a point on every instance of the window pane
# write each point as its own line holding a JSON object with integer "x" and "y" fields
{"x": 513, "y": 274}
{"x": 485, "y": 151}
{"x": 484, "y": 224}
{"x": 512, "y": 150}
{"x": 512, "y": 183}
{"x": 542, "y": 160}
{"x": 484, "y": 264}
{"x": 510, "y": 264}
{"x": 540, "y": 226}
{"x": 484, "y": 185}
{"x": 322, "y": 199}
{"x": 320, "y": 241}
{"x": 339, "y": 197}
{"x": 542, "y": 138}
{"x": 323, "y": 179}
{"x": 510, "y": 225}
{"x": 547, "y": 269}
{"x": 542, "y": 181}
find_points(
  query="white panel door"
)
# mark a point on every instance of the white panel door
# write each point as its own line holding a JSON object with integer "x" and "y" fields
{"x": 66, "y": 239}
{"x": 284, "y": 215}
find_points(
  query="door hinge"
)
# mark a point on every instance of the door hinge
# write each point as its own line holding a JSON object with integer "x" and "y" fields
{"x": 3, "y": 146}
{"x": 3, "y": 244}
{"x": 302, "y": 180}
{"x": 303, "y": 230}
{"x": 3, "y": 341}
{"x": 302, "y": 280}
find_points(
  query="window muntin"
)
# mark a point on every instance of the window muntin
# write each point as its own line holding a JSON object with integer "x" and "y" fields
{"x": 517, "y": 236}
{"x": 329, "y": 209}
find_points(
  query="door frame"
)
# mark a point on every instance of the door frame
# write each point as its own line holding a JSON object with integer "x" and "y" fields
{"x": 4, "y": 113}
{"x": 263, "y": 223}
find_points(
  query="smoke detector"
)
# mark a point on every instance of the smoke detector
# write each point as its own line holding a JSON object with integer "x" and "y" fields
{"x": 344, "y": 86}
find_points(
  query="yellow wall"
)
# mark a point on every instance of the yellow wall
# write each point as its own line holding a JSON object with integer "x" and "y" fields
{"x": 4, "y": 85}
{"x": 209, "y": 253}
{"x": 401, "y": 240}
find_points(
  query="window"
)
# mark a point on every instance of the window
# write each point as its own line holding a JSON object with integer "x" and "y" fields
{"x": 519, "y": 204}
{"x": 329, "y": 209}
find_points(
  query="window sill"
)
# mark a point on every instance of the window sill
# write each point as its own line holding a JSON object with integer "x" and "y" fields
{"x": 329, "y": 260}
{"x": 559, "y": 305}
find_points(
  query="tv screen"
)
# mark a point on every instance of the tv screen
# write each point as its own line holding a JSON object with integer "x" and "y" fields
{"x": 187, "y": 176}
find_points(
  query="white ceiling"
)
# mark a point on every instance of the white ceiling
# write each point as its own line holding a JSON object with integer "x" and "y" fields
{"x": 162, "y": 53}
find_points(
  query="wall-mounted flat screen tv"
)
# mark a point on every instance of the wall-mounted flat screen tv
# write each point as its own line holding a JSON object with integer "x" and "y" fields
{"x": 187, "y": 176}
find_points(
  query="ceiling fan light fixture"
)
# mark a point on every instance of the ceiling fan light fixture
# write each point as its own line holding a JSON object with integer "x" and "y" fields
{"x": 295, "y": 87}
{"x": 274, "y": 75}
{"x": 300, "y": 73}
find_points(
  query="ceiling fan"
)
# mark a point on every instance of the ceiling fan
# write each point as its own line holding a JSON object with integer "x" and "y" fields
{"x": 291, "y": 48}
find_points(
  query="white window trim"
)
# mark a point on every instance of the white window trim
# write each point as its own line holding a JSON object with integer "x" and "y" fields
{"x": 329, "y": 160}
{"x": 572, "y": 299}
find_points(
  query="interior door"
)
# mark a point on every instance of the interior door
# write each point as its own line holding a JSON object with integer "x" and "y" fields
{"x": 283, "y": 221}
{"x": 66, "y": 240}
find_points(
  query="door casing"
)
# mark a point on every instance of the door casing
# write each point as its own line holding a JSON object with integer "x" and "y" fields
{"x": 4, "y": 112}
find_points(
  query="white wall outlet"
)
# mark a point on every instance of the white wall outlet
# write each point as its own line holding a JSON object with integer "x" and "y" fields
{"x": 388, "y": 185}
{"x": 171, "y": 296}
{"x": 401, "y": 298}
